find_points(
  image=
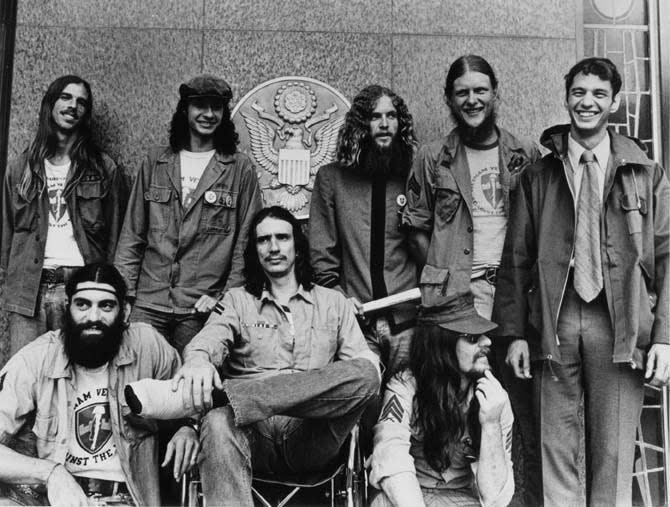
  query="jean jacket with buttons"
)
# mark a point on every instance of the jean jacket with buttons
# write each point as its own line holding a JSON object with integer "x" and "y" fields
{"x": 95, "y": 200}
{"x": 439, "y": 202}
{"x": 37, "y": 382}
{"x": 171, "y": 255}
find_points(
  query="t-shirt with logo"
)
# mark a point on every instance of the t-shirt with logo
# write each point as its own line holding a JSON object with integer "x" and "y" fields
{"x": 91, "y": 451}
{"x": 192, "y": 165}
{"x": 61, "y": 247}
{"x": 489, "y": 220}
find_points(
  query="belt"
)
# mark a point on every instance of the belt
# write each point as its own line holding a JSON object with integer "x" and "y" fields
{"x": 490, "y": 274}
{"x": 105, "y": 492}
{"x": 59, "y": 275}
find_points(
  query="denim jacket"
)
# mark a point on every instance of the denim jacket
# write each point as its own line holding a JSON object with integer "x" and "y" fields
{"x": 171, "y": 255}
{"x": 95, "y": 203}
{"x": 39, "y": 381}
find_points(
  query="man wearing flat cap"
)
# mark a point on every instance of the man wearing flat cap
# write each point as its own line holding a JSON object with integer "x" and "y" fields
{"x": 444, "y": 435}
{"x": 187, "y": 221}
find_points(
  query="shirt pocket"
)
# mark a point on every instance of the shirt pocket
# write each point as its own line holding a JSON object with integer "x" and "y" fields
{"x": 258, "y": 347}
{"x": 158, "y": 198}
{"x": 433, "y": 285}
{"x": 323, "y": 345}
{"x": 218, "y": 212}
{"x": 447, "y": 198}
{"x": 45, "y": 429}
{"x": 25, "y": 212}
{"x": 89, "y": 204}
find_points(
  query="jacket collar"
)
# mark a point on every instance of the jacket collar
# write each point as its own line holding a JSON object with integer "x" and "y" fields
{"x": 624, "y": 150}
{"x": 505, "y": 141}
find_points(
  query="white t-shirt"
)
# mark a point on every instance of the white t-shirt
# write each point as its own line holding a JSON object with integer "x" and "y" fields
{"x": 91, "y": 451}
{"x": 192, "y": 165}
{"x": 488, "y": 208}
{"x": 61, "y": 247}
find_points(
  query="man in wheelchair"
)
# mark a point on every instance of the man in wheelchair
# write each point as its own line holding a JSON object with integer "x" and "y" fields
{"x": 444, "y": 435}
{"x": 298, "y": 372}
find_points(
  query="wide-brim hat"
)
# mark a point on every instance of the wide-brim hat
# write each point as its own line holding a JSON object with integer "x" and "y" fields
{"x": 457, "y": 315}
{"x": 206, "y": 85}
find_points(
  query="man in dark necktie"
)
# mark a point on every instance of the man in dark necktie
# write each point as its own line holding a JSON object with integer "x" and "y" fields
{"x": 583, "y": 287}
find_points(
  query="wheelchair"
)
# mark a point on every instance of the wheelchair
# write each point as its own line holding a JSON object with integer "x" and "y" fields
{"x": 347, "y": 482}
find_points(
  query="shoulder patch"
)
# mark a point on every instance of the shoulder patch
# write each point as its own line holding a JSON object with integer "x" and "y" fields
{"x": 392, "y": 410}
{"x": 219, "y": 308}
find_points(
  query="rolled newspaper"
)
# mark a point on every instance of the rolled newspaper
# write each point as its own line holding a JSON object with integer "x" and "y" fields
{"x": 396, "y": 299}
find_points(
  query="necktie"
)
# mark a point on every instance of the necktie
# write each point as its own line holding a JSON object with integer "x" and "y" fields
{"x": 588, "y": 275}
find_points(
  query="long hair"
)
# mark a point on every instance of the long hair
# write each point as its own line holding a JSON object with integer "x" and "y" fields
{"x": 225, "y": 136}
{"x": 356, "y": 129}
{"x": 255, "y": 277}
{"x": 463, "y": 64}
{"x": 437, "y": 411}
{"x": 85, "y": 153}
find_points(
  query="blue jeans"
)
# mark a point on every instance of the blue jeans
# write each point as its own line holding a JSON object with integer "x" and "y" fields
{"x": 177, "y": 328}
{"x": 51, "y": 301}
{"x": 285, "y": 424}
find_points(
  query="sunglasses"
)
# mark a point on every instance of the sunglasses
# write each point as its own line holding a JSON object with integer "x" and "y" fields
{"x": 470, "y": 338}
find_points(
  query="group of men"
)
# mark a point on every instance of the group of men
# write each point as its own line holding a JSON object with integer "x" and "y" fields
{"x": 548, "y": 273}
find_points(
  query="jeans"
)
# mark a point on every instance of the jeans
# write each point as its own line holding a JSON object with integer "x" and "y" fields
{"x": 51, "y": 301}
{"x": 177, "y": 329}
{"x": 285, "y": 424}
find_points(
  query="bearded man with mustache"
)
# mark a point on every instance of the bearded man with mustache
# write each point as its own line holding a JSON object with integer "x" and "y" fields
{"x": 63, "y": 202}
{"x": 66, "y": 387}
{"x": 444, "y": 435}
{"x": 458, "y": 202}
{"x": 356, "y": 243}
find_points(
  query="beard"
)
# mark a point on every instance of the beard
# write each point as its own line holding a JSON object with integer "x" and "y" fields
{"x": 386, "y": 162}
{"x": 478, "y": 135}
{"x": 92, "y": 350}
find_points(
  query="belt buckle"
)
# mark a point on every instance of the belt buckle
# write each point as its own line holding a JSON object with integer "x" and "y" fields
{"x": 491, "y": 275}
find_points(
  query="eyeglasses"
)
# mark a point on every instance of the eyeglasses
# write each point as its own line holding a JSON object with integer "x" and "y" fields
{"x": 470, "y": 338}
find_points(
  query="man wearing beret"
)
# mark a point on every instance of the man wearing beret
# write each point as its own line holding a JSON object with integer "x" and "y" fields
{"x": 187, "y": 220}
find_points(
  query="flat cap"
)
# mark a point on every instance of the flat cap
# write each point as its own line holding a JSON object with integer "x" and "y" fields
{"x": 206, "y": 86}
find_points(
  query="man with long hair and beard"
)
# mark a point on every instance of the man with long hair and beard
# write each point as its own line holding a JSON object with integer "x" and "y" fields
{"x": 458, "y": 203}
{"x": 297, "y": 371}
{"x": 356, "y": 243}
{"x": 444, "y": 435}
{"x": 62, "y": 206}
{"x": 70, "y": 383}
{"x": 187, "y": 221}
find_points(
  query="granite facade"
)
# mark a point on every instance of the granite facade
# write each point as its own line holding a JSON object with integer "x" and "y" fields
{"x": 135, "y": 54}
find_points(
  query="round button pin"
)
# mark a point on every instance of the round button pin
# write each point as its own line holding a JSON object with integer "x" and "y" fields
{"x": 210, "y": 197}
{"x": 401, "y": 200}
